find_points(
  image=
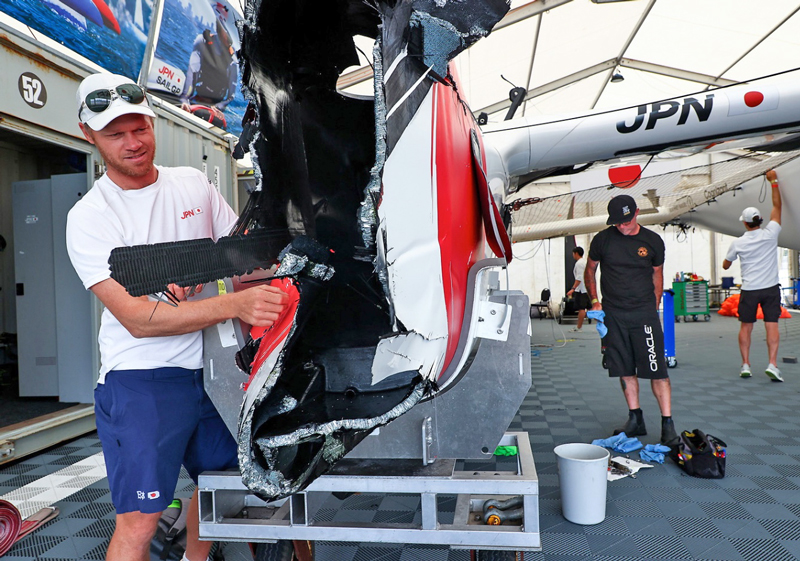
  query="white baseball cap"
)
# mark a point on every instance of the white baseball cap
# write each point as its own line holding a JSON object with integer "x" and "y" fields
{"x": 749, "y": 214}
{"x": 114, "y": 96}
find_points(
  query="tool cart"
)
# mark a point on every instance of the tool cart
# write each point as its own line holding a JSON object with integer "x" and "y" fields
{"x": 691, "y": 300}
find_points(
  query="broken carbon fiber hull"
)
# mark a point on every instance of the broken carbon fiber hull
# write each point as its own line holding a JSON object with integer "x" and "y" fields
{"x": 356, "y": 359}
{"x": 394, "y": 186}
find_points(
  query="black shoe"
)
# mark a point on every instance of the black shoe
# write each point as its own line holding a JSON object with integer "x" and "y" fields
{"x": 633, "y": 427}
{"x": 668, "y": 435}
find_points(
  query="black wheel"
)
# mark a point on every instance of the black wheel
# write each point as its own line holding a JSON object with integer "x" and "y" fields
{"x": 482, "y": 555}
{"x": 672, "y": 362}
{"x": 282, "y": 550}
{"x": 707, "y": 317}
{"x": 695, "y": 318}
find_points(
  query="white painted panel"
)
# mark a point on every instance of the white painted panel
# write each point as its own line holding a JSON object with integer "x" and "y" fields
{"x": 409, "y": 222}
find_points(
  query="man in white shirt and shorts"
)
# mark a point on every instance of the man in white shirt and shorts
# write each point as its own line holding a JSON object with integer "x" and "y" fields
{"x": 760, "y": 285}
{"x": 578, "y": 290}
{"x": 152, "y": 412}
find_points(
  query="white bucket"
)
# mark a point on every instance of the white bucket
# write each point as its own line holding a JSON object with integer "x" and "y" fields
{"x": 583, "y": 477}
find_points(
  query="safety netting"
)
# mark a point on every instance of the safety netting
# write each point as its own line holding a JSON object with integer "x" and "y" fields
{"x": 661, "y": 197}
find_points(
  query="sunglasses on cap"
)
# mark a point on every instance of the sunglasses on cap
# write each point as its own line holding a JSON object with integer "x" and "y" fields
{"x": 100, "y": 100}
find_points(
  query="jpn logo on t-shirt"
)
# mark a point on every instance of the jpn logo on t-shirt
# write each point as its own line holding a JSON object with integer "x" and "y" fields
{"x": 192, "y": 212}
{"x": 153, "y": 495}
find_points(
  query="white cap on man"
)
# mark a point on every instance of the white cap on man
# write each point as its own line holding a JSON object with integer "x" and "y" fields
{"x": 749, "y": 214}
{"x": 111, "y": 103}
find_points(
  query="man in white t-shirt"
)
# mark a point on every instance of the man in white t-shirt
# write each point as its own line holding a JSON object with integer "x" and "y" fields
{"x": 152, "y": 412}
{"x": 757, "y": 250}
{"x": 578, "y": 290}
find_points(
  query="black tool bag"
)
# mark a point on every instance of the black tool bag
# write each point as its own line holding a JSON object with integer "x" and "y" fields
{"x": 700, "y": 454}
{"x": 169, "y": 543}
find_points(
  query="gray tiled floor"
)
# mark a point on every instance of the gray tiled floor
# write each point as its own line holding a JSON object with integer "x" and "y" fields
{"x": 752, "y": 514}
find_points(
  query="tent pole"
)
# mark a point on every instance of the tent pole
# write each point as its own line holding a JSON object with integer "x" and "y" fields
{"x": 152, "y": 41}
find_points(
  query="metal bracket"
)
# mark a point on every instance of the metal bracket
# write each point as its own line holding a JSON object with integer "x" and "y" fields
{"x": 493, "y": 321}
{"x": 7, "y": 449}
{"x": 427, "y": 440}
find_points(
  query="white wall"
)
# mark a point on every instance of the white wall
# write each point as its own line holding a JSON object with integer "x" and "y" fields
{"x": 693, "y": 252}
{"x": 536, "y": 266}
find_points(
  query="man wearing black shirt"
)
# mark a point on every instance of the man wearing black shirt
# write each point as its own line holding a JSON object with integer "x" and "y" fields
{"x": 632, "y": 259}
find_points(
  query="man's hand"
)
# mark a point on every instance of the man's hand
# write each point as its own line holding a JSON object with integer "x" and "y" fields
{"x": 261, "y": 305}
{"x": 570, "y": 292}
{"x": 775, "y": 215}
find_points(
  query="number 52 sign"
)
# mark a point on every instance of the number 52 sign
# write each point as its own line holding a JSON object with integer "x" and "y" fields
{"x": 32, "y": 90}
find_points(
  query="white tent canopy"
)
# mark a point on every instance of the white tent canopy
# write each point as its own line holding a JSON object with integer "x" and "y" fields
{"x": 564, "y": 52}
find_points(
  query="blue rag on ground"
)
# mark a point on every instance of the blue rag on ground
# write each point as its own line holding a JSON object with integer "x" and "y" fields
{"x": 619, "y": 443}
{"x": 654, "y": 453}
{"x": 599, "y": 317}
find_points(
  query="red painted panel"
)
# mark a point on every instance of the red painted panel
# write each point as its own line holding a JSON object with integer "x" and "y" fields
{"x": 458, "y": 208}
{"x": 496, "y": 234}
{"x": 278, "y": 331}
{"x": 625, "y": 177}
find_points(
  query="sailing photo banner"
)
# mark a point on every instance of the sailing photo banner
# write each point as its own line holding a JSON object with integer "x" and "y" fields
{"x": 195, "y": 64}
{"x": 111, "y": 33}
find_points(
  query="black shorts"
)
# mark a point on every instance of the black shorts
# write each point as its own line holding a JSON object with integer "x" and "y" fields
{"x": 635, "y": 344}
{"x": 770, "y": 300}
{"x": 581, "y": 301}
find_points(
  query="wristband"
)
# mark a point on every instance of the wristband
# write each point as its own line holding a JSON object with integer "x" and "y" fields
{"x": 594, "y": 301}
{"x": 774, "y": 184}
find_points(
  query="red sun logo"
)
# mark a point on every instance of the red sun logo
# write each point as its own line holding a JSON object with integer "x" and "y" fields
{"x": 753, "y": 99}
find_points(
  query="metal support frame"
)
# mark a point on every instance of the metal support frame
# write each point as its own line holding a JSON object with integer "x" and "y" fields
{"x": 229, "y": 512}
{"x": 34, "y": 435}
{"x": 493, "y": 388}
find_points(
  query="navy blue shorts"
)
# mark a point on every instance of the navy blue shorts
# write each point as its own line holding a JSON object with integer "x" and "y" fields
{"x": 635, "y": 344}
{"x": 150, "y": 422}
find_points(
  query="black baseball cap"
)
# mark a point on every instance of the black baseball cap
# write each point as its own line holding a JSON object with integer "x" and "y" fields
{"x": 621, "y": 209}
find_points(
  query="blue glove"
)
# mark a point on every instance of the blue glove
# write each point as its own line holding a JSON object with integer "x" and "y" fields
{"x": 598, "y": 316}
{"x": 628, "y": 445}
{"x": 654, "y": 453}
{"x": 619, "y": 443}
{"x": 651, "y": 456}
{"x": 611, "y": 441}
